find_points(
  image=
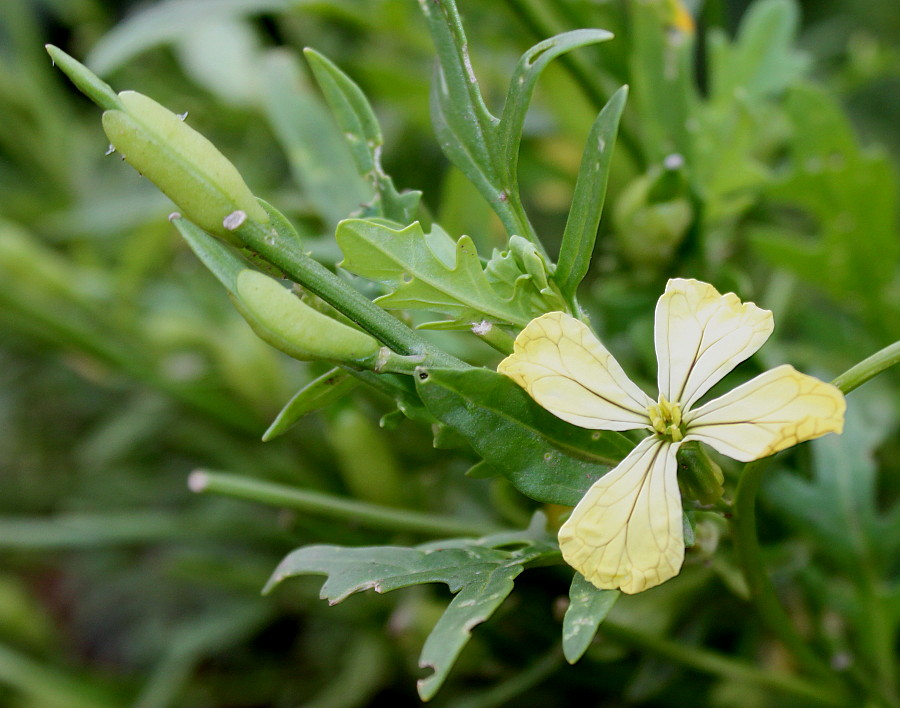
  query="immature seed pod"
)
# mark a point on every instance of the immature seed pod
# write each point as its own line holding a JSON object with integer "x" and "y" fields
{"x": 186, "y": 166}
{"x": 282, "y": 320}
{"x": 699, "y": 477}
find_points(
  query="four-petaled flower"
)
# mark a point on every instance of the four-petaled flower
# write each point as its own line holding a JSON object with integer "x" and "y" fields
{"x": 626, "y": 532}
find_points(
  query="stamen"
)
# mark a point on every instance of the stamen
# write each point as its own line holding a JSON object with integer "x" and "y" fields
{"x": 665, "y": 417}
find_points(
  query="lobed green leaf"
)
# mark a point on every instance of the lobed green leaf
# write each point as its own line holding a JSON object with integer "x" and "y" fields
{"x": 542, "y": 456}
{"x": 427, "y": 272}
{"x": 481, "y": 576}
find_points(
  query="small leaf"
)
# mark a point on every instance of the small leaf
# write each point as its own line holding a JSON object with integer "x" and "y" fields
{"x": 762, "y": 61}
{"x": 542, "y": 456}
{"x": 426, "y": 272}
{"x": 588, "y": 607}
{"x": 522, "y": 85}
{"x": 590, "y": 193}
{"x": 319, "y": 393}
{"x": 317, "y": 153}
{"x": 357, "y": 119}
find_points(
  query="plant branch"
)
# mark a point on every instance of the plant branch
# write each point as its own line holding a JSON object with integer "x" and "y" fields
{"x": 718, "y": 665}
{"x": 868, "y": 368}
{"x": 316, "y": 278}
{"x": 762, "y": 593}
{"x": 328, "y": 505}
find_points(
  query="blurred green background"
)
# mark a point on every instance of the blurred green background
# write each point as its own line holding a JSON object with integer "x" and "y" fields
{"x": 123, "y": 366}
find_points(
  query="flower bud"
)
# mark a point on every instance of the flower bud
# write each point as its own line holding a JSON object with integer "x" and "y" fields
{"x": 186, "y": 166}
{"x": 282, "y": 320}
{"x": 699, "y": 477}
{"x": 651, "y": 218}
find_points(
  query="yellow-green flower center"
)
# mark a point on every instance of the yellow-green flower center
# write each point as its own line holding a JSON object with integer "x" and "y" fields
{"x": 665, "y": 418}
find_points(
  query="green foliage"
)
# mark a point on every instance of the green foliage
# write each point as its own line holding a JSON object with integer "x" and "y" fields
{"x": 543, "y": 457}
{"x": 123, "y": 366}
{"x": 434, "y": 273}
{"x": 590, "y": 193}
{"x": 480, "y": 573}
{"x": 588, "y": 607}
{"x": 355, "y": 117}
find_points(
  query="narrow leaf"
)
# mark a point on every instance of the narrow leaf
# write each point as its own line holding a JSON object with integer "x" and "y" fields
{"x": 542, "y": 456}
{"x": 588, "y": 607}
{"x": 357, "y": 120}
{"x": 465, "y": 128}
{"x": 164, "y": 22}
{"x": 318, "y": 155}
{"x": 319, "y": 393}
{"x": 522, "y": 85}
{"x": 474, "y": 604}
{"x": 590, "y": 194}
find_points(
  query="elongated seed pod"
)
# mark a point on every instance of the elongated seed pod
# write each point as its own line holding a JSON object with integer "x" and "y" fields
{"x": 186, "y": 166}
{"x": 282, "y": 320}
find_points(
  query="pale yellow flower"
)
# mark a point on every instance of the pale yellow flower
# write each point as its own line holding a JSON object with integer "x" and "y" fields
{"x": 626, "y": 532}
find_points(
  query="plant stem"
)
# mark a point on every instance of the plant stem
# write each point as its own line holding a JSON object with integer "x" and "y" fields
{"x": 762, "y": 593}
{"x": 316, "y": 278}
{"x": 364, "y": 513}
{"x": 868, "y": 368}
{"x": 505, "y": 693}
{"x": 718, "y": 665}
{"x": 746, "y": 539}
{"x": 498, "y": 338}
{"x": 46, "y": 685}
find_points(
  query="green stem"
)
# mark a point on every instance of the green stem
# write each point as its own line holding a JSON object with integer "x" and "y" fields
{"x": 316, "y": 278}
{"x": 498, "y": 338}
{"x": 365, "y": 513}
{"x": 746, "y": 538}
{"x": 762, "y": 593}
{"x": 46, "y": 685}
{"x": 718, "y": 665}
{"x": 868, "y": 368}
{"x": 505, "y": 693}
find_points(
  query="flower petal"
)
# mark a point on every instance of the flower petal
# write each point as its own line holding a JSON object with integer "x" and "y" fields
{"x": 775, "y": 410}
{"x": 701, "y": 336}
{"x": 563, "y": 366}
{"x": 626, "y": 532}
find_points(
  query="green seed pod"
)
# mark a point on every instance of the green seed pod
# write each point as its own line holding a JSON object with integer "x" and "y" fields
{"x": 186, "y": 166}
{"x": 699, "y": 477}
{"x": 282, "y": 320}
{"x": 366, "y": 461}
